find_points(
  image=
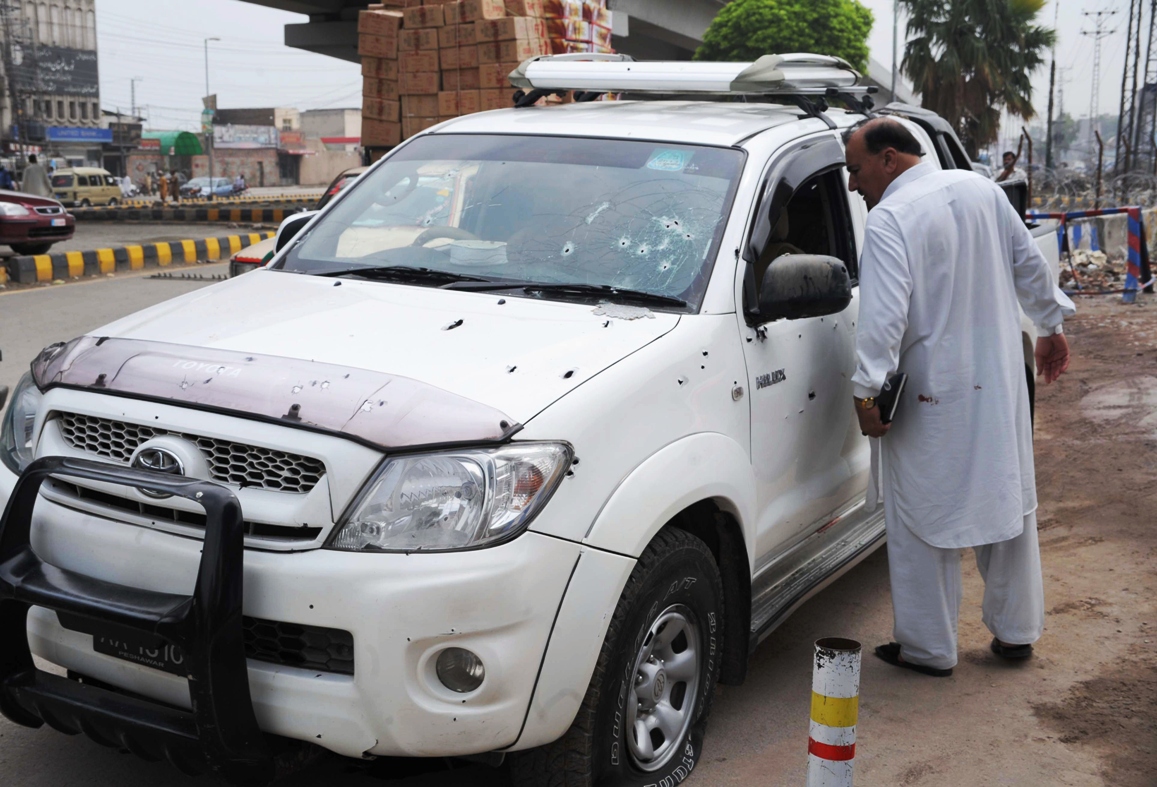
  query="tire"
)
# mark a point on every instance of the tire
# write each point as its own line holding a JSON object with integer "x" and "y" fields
{"x": 112, "y": 203}
{"x": 84, "y": 203}
{"x": 31, "y": 248}
{"x": 672, "y": 606}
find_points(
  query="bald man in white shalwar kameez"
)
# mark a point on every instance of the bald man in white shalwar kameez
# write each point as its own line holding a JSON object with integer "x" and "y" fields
{"x": 946, "y": 261}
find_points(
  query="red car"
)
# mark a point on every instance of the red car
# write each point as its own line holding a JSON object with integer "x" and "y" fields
{"x": 31, "y": 224}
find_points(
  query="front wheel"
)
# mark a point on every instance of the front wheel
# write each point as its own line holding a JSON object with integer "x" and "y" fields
{"x": 112, "y": 203}
{"x": 645, "y": 712}
{"x": 31, "y": 248}
{"x": 84, "y": 203}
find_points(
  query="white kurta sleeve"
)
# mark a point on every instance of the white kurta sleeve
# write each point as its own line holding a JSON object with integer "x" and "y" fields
{"x": 1039, "y": 295}
{"x": 885, "y": 290}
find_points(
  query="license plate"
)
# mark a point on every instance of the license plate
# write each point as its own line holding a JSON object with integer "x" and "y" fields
{"x": 130, "y": 645}
{"x": 59, "y": 222}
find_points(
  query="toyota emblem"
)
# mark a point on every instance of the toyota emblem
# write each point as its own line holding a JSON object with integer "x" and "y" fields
{"x": 158, "y": 460}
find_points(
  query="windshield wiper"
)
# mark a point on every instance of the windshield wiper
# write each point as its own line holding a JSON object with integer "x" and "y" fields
{"x": 584, "y": 290}
{"x": 402, "y": 273}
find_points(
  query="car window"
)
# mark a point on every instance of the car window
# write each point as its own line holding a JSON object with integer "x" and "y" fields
{"x": 554, "y": 210}
{"x": 82, "y": 180}
{"x": 61, "y": 181}
{"x": 109, "y": 180}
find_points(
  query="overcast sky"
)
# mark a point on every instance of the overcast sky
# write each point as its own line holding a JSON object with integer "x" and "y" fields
{"x": 163, "y": 42}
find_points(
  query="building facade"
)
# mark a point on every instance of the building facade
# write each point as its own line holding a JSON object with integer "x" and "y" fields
{"x": 50, "y": 81}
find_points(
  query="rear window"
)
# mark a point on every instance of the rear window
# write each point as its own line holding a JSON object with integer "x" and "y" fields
{"x": 61, "y": 181}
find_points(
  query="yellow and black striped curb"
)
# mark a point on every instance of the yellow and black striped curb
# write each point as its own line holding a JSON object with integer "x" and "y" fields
{"x": 266, "y": 214}
{"x": 72, "y": 264}
{"x": 267, "y": 199}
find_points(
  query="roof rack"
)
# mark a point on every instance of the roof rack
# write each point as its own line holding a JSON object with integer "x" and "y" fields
{"x": 798, "y": 74}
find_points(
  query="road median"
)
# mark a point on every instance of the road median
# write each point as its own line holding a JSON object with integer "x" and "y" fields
{"x": 268, "y": 213}
{"x": 41, "y": 268}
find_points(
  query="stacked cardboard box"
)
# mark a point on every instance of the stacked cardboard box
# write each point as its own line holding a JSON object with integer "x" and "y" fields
{"x": 425, "y": 62}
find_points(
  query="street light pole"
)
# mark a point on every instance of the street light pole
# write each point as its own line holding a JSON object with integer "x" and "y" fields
{"x": 895, "y": 42}
{"x": 133, "y": 88}
{"x": 209, "y": 136}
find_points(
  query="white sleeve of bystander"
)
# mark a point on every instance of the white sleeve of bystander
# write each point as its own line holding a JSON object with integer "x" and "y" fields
{"x": 885, "y": 290}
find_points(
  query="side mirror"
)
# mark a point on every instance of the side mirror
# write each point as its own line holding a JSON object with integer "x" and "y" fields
{"x": 290, "y": 227}
{"x": 804, "y": 285}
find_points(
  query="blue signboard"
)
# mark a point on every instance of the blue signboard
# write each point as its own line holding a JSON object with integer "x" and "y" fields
{"x": 78, "y": 134}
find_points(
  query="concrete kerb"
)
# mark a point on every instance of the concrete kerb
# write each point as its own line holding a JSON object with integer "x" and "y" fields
{"x": 73, "y": 264}
{"x": 230, "y": 214}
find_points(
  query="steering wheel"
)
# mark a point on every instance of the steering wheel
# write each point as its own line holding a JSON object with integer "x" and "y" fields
{"x": 453, "y": 233}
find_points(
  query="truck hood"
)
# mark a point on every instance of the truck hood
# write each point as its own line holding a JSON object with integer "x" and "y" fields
{"x": 515, "y": 355}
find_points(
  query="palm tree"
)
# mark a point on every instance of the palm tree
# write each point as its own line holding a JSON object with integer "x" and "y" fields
{"x": 969, "y": 59}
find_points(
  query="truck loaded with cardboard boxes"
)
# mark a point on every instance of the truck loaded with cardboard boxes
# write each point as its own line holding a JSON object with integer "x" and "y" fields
{"x": 425, "y": 63}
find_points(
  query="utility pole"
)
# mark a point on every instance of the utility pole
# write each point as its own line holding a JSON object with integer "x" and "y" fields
{"x": 133, "y": 89}
{"x": 1098, "y": 32}
{"x": 1147, "y": 115}
{"x": 1125, "y": 113}
{"x": 209, "y": 136}
{"x": 1052, "y": 84}
{"x": 895, "y": 44}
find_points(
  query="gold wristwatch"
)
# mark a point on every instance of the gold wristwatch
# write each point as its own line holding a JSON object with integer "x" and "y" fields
{"x": 866, "y": 403}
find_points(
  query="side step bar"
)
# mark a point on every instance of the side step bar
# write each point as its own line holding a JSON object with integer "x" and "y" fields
{"x": 820, "y": 560}
{"x": 221, "y": 733}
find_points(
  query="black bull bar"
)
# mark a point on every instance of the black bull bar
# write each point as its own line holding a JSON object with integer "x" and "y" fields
{"x": 220, "y": 734}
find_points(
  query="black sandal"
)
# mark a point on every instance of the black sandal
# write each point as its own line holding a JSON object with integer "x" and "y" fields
{"x": 891, "y": 654}
{"x": 1011, "y": 651}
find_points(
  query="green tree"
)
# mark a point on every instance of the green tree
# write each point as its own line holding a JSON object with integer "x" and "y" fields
{"x": 971, "y": 59}
{"x": 746, "y": 29}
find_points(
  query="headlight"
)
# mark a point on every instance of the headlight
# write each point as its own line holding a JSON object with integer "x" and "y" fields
{"x": 454, "y": 499}
{"x": 16, "y": 448}
{"x": 12, "y": 209}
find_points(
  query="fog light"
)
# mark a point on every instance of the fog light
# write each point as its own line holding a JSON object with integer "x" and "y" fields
{"x": 460, "y": 670}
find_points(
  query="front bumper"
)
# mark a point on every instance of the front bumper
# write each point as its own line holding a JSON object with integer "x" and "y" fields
{"x": 401, "y": 609}
{"x": 35, "y": 230}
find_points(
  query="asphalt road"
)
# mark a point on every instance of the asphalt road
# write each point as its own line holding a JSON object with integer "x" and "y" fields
{"x": 1079, "y": 713}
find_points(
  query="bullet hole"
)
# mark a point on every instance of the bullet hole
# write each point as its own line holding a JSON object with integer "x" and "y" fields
{"x": 337, "y": 284}
{"x": 504, "y": 424}
{"x": 311, "y": 606}
{"x": 567, "y": 249}
{"x": 704, "y": 353}
{"x": 976, "y": 387}
{"x": 624, "y": 242}
{"x": 209, "y": 380}
{"x": 367, "y": 406}
{"x": 569, "y": 373}
{"x": 575, "y": 461}
{"x": 347, "y": 376}
{"x": 501, "y": 301}
{"x": 702, "y": 367}
{"x": 811, "y": 395}
{"x": 184, "y": 384}
{"x": 570, "y": 473}
{"x": 324, "y": 385}
{"x": 453, "y": 325}
{"x": 682, "y": 381}
{"x": 296, "y": 389}
{"x": 642, "y": 251}
{"x": 510, "y": 369}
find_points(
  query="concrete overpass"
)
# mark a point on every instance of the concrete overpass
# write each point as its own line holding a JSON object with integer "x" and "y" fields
{"x": 645, "y": 29}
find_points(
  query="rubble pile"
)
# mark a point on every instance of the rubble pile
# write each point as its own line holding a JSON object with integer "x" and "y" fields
{"x": 425, "y": 62}
{"x": 1095, "y": 271}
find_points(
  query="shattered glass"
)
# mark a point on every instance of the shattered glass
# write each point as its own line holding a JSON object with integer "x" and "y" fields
{"x": 633, "y": 215}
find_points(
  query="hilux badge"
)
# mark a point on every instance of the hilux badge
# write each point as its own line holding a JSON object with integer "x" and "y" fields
{"x": 767, "y": 380}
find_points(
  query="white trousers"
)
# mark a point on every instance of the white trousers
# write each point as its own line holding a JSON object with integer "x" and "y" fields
{"x": 926, "y": 593}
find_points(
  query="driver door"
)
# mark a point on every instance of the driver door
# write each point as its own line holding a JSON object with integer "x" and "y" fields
{"x": 808, "y": 456}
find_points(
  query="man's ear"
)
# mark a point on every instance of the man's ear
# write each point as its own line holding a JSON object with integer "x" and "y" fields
{"x": 889, "y": 160}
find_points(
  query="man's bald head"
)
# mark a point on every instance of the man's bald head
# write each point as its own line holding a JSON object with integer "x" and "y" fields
{"x": 877, "y": 152}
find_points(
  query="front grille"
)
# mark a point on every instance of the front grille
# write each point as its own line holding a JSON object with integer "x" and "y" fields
{"x": 307, "y": 647}
{"x": 229, "y": 462}
{"x": 49, "y": 232}
{"x": 51, "y": 210}
{"x": 178, "y": 516}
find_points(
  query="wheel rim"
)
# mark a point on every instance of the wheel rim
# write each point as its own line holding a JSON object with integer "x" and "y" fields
{"x": 664, "y": 688}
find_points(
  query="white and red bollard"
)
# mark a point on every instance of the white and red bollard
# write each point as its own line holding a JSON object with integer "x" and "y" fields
{"x": 835, "y": 708}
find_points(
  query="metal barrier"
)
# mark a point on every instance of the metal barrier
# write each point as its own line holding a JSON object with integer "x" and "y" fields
{"x": 1137, "y": 262}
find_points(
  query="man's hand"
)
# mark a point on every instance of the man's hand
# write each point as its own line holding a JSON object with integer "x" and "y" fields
{"x": 1052, "y": 356}
{"x": 870, "y": 423}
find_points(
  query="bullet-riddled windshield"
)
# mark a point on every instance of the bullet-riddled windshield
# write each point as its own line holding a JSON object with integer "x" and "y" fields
{"x": 479, "y": 211}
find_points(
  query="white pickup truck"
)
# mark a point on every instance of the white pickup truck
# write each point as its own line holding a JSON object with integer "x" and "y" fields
{"x": 514, "y": 450}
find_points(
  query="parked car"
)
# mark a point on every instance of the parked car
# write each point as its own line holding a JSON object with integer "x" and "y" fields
{"x": 253, "y": 257}
{"x": 84, "y": 187}
{"x": 199, "y": 187}
{"x": 516, "y": 449}
{"x": 31, "y": 224}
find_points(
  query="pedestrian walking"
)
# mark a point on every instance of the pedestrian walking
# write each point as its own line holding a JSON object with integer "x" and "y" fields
{"x": 6, "y": 181}
{"x": 36, "y": 179}
{"x": 946, "y": 260}
{"x": 175, "y": 186}
{"x": 163, "y": 187}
